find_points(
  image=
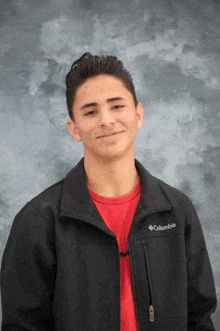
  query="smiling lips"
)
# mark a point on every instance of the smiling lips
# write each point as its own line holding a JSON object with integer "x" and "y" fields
{"x": 109, "y": 134}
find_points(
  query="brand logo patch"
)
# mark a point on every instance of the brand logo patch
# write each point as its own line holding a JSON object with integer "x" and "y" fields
{"x": 162, "y": 228}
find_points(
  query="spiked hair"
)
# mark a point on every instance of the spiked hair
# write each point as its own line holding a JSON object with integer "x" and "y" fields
{"x": 88, "y": 66}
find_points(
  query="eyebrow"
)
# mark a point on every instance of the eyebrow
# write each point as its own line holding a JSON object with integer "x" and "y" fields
{"x": 95, "y": 104}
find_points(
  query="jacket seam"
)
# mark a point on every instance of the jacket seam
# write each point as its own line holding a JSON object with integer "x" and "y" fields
{"x": 157, "y": 236}
{"x": 153, "y": 211}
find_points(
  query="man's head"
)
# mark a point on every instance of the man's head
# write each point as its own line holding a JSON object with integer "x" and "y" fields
{"x": 104, "y": 112}
{"x": 88, "y": 66}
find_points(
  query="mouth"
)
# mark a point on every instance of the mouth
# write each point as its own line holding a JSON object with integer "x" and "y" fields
{"x": 109, "y": 134}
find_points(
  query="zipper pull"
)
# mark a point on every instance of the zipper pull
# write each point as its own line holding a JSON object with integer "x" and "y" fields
{"x": 151, "y": 313}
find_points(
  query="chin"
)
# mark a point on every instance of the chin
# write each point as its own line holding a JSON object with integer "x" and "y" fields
{"x": 111, "y": 156}
{"x": 112, "y": 153}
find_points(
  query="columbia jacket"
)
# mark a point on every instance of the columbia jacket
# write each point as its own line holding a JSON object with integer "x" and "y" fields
{"x": 60, "y": 268}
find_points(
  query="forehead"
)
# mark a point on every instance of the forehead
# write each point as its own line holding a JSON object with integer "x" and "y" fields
{"x": 101, "y": 88}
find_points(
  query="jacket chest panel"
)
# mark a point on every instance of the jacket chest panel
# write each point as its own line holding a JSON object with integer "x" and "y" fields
{"x": 159, "y": 224}
{"x": 159, "y": 268}
{"x": 86, "y": 249}
{"x": 87, "y": 279}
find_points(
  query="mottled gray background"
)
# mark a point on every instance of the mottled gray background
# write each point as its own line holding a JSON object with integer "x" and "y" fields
{"x": 172, "y": 49}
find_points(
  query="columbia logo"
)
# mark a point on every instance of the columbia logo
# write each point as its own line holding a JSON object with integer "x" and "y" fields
{"x": 162, "y": 228}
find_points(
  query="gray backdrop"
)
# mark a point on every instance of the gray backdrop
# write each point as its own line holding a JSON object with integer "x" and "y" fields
{"x": 172, "y": 49}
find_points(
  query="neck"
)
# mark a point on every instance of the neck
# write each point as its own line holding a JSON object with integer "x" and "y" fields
{"x": 111, "y": 179}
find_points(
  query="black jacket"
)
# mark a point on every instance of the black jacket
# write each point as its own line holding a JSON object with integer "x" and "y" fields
{"x": 60, "y": 268}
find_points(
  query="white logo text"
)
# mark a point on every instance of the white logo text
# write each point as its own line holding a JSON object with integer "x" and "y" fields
{"x": 162, "y": 228}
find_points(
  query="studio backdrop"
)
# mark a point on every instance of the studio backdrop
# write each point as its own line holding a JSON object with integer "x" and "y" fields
{"x": 172, "y": 50}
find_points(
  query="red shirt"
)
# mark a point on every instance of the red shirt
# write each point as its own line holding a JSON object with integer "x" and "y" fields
{"x": 118, "y": 214}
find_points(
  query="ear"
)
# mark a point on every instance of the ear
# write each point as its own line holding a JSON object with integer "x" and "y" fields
{"x": 140, "y": 114}
{"x": 71, "y": 126}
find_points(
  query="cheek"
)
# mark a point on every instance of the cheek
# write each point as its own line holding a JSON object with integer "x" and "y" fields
{"x": 87, "y": 132}
{"x": 133, "y": 123}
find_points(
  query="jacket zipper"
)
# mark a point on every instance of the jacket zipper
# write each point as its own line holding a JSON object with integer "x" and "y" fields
{"x": 151, "y": 307}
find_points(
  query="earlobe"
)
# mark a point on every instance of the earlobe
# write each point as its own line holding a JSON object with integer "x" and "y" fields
{"x": 140, "y": 112}
{"x": 71, "y": 126}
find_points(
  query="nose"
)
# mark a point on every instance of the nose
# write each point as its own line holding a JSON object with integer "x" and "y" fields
{"x": 106, "y": 118}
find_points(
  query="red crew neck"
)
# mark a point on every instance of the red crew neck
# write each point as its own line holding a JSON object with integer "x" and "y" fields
{"x": 117, "y": 200}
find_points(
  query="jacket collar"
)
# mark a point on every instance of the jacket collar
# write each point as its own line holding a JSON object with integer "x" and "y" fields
{"x": 76, "y": 201}
{"x": 152, "y": 197}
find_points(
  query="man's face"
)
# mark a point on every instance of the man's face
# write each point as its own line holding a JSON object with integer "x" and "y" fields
{"x": 105, "y": 118}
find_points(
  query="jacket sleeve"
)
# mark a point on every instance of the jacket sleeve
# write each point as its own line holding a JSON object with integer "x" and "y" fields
{"x": 28, "y": 273}
{"x": 201, "y": 289}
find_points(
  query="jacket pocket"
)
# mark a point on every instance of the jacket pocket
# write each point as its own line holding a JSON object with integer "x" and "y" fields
{"x": 160, "y": 277}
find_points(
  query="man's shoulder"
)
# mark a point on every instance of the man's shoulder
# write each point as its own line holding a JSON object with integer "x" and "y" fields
{"x": 49, "y": 195}
{"x": 179, "y": 201}
{"x": 44, "y": 206}
{"x": 50, "y": 199}
{"x": 54, "y": 192}
{"x": 171, "y": 193}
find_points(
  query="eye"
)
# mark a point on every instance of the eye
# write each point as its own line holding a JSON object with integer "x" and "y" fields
{"x": 90, "y": 113}
{"x": 118, "y": 106}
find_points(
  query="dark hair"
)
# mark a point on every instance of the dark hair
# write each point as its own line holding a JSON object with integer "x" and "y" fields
{"x": 88, "y": 66}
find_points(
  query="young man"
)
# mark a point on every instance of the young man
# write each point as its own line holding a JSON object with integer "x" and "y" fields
{"x": 109, "y": 247}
